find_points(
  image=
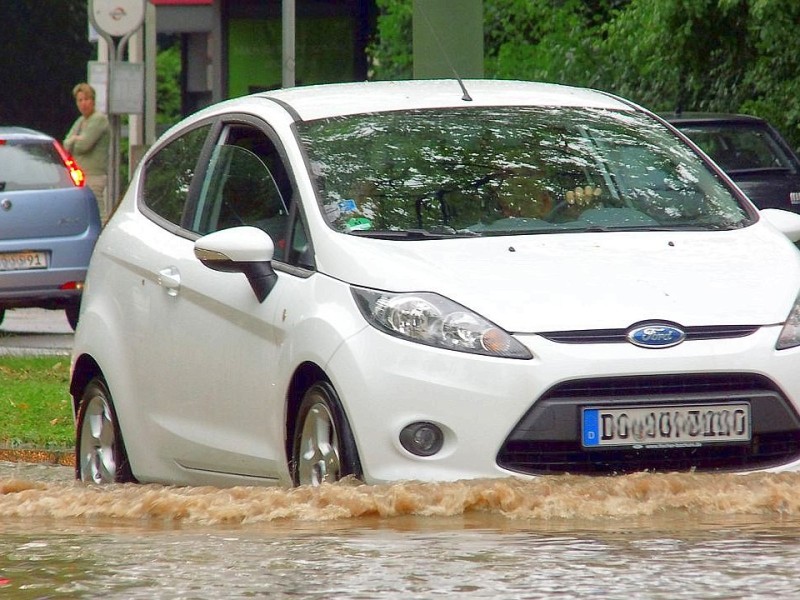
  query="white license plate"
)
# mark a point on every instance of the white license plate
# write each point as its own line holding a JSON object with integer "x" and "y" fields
{"x": 675, "y": 425}
{"x": 21, "y": 261}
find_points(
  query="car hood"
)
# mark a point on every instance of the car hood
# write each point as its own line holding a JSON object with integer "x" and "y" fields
{"x": 560, "y": 282}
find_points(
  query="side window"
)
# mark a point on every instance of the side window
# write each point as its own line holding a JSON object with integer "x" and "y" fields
{"x": 242, "y": 187}
{"x": 168, "y": 174}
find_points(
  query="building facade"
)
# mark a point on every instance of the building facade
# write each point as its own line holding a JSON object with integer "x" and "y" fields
{"x": 235, "y": 47}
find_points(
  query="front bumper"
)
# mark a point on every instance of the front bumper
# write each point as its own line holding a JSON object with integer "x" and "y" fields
{"x": 504, "y": 417}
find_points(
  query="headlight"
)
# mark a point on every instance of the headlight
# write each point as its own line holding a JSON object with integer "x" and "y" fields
{"x": 790, "y": 334}
{"x": 433, "y": 320}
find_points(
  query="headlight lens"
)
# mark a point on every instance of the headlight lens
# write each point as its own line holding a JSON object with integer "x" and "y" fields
{"x": 790, "y": 334}
{"x": 433, "y": 320}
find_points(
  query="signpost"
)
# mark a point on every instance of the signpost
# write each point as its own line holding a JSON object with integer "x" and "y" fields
{"x": 116, "y": 21}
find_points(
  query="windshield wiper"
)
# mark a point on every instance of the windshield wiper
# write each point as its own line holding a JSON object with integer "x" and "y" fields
{"x": 413, "y": 234}
{"x": 639, "y": 228}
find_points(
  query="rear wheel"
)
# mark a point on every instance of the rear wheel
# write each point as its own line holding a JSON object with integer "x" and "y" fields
{"x": 100, "y": 455}
{"x": 323, "y": 450}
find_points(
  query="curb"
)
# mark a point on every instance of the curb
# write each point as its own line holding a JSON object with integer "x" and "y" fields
{"x": 64, "y": 458}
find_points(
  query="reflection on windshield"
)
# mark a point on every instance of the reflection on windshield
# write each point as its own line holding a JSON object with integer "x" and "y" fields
{"x": 502, "y": 171}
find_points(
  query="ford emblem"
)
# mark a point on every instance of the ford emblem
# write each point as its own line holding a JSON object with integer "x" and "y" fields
{"x": 656, "y": 335}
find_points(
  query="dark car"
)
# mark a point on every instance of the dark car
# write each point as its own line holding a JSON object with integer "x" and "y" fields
{"x": 751, "y": 152}
{"x": 49, "y": 223}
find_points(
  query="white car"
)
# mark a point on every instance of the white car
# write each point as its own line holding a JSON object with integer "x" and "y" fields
{"x": 424, "y": 281}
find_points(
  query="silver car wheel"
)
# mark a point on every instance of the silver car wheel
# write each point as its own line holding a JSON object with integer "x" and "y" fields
{"x": 318, "y": 459}
{"x": 97, "y": 460}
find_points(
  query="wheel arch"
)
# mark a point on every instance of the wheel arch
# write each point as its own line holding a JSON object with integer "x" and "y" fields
{"x": 305, "y": 376}
{"x": 85, "y": 369}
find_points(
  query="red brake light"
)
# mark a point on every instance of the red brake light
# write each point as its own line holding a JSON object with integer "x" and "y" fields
{"x": 75, "y": 172}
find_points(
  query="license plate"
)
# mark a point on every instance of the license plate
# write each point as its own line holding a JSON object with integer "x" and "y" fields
{"x": 676, "y": 425}
{"x": 20, "y": 261}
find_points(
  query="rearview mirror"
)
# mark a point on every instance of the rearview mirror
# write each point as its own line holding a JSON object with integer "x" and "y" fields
{"x": 788, "y": 223}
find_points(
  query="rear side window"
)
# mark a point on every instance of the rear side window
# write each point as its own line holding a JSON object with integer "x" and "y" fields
{"x": 169, "y": 173}
{"x": 31, "y": 166}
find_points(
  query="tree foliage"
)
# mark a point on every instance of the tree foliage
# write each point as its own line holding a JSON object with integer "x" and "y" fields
{"x": 45, "y": 49}
{"x": 708, "y": 55}
{"x": 168, "y": 91}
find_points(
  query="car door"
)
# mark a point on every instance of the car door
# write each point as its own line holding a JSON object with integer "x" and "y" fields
{"x": 213, "y": 406}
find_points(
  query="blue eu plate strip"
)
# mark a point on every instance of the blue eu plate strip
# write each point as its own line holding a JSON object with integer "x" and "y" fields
{"x": 591, "y": 429}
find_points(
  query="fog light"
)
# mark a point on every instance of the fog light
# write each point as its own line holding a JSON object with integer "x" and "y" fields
{"x": 422, "y": 438}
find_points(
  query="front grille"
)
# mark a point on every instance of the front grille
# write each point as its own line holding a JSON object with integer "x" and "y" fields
{"x": 613, "y": 336}
{"x": 547, "y": 438}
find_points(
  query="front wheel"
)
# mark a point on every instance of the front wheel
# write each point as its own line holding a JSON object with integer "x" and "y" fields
{"x": 100, "y": 455}
{"x": 323, "y": 450}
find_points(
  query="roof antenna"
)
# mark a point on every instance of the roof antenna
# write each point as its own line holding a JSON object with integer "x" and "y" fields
{"x": 466, "y": 97}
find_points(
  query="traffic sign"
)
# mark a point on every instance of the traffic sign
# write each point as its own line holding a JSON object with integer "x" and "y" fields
{"x": 117, "y": 18}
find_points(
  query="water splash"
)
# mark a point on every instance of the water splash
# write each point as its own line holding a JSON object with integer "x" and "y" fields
{"x": 546, "y": 498}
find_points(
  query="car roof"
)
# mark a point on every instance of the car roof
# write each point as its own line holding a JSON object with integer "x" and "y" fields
{"x": 701, "y": 118}
{"x": 23, "y": 133}
{"x": 329, "y": 100}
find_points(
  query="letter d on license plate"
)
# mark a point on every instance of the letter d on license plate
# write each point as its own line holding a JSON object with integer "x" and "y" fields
{"x": 674, "y": 424}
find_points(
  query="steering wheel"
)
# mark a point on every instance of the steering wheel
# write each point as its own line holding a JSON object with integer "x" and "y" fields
{"x": 559, "y": 208}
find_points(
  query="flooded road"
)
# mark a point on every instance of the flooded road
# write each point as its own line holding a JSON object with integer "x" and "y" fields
{"x": 640, "y": 536}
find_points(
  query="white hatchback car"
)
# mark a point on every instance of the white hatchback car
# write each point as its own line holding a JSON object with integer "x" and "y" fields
{"x": 415, "y": 281}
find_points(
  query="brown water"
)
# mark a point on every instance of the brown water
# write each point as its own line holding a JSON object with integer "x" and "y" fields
{"x": 639, "y": 536}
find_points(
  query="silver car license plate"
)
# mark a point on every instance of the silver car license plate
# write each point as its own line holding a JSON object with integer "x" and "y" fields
{"x": 666, "y": 425}
{"x": 22, "y": 261}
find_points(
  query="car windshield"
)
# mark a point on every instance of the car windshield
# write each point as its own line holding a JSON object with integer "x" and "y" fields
{"x": 739, "y": 148}
{"x": 501, "y": 171}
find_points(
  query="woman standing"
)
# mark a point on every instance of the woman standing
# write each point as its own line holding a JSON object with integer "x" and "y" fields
{"x": 88, "y": 141}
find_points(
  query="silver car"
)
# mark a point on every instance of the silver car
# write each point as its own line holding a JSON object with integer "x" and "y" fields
{"x": 49, "y": 223}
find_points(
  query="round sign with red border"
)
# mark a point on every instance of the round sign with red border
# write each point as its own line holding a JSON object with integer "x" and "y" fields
{"x": 117, "y": 17}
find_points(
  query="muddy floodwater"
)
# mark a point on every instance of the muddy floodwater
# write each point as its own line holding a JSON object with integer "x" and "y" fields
{"x": 639, "y": 536}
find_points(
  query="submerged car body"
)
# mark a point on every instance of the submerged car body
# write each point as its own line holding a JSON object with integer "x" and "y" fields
{"x": 399, "y": 281}
{"x": 49, "y": 223}
{"x": 752, "y": 153}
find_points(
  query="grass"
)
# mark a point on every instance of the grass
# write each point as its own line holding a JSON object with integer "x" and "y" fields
{"x": 35, "y": 405}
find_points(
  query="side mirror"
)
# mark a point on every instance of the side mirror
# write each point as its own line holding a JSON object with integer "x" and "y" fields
{"x": 788, "y": 223}
{"x": 247, "y": 250}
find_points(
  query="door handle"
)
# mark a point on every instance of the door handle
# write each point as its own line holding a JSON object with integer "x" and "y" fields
{"x": 170, "y": 280}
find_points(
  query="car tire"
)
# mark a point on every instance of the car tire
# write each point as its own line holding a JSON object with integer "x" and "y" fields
{"x": 100, "y": 455}
{"x": 324, "y": 450}
{"x": 2, "y": 315}
{"x": 72, "y": 313}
